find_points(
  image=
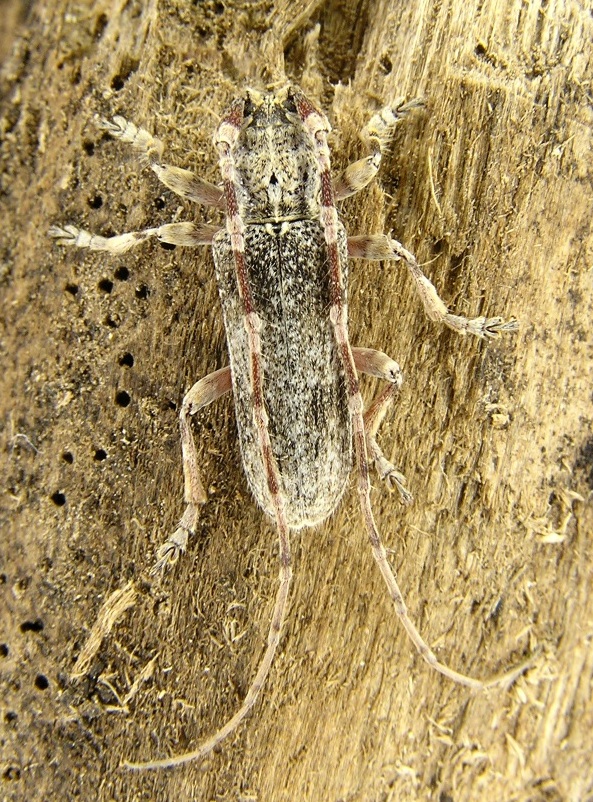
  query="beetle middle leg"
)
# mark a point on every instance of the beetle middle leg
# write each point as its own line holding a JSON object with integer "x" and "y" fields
{"x": 382, "y": 247}
{"x": 185, "y": 234}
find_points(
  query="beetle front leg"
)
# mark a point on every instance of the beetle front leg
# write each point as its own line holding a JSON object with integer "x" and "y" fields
{"x": 381, "y": 247}
{"x": 150, "y": 149}
{"x": 377, "y": 134}
{"x": 376, "y": 363}
{"x": 204, "y": 392}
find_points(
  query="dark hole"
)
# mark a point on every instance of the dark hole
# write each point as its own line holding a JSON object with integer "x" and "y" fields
{"x": 68, "y": 457}
{"x": 32, "y": 626}
{"x": 126, "y": 360}
{"x": 4, "y": 650}
{"x": 76, "y": 77}
{"x": 584, "y": 460}
{"x": 142, "y": 292}
{"x": 127, "y": 68}
{"x": 122, "y": 274}
{"x": 10, "y": 717}
{"x": 480, "y": 50}
{"x": 71, "y": 288}
{"x": 159, "y": 203}
{"x": 122, "y": 399}
{"x": 386, "y": 64}
{"x": 105, "y": 284}
{"x": 167, "y": 246}
{"x": 273, "y": 179}
{"x": 95, "y": 202}
{"x": 219, "y": 8}
{"x": 59, "y": 499}
{"x": 41, "y": 682}
{"x": 100, "y": 25}
{"x": 88, "y": 147}
{"x": 11, "y": 773}
{"x": 109, "y": 321}
{"x": 100, "y": 455}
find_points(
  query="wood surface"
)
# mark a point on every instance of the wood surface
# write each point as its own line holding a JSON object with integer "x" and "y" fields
{"x": 491, "y": 187}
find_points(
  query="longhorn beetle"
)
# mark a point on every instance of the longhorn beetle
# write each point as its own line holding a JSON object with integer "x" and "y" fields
{"x": 281, "y": 265}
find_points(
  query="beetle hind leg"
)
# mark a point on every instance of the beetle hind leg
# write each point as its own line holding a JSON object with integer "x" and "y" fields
{"x": 376, "y": 363}
{"x": 204, "y": 392}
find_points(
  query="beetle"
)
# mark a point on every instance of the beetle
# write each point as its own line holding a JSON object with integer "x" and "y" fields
{"x": 281, "y": 264}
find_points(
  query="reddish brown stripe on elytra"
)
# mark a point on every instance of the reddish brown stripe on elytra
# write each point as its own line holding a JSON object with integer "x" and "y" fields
{"x": 257, "y": 380}
{"x": 327, "y": 190}
{"x": 243, "y": 282}
{"x": 271, "y": 473}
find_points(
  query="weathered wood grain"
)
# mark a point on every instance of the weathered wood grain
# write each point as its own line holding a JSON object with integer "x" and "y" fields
{"x": 491, "y": 188}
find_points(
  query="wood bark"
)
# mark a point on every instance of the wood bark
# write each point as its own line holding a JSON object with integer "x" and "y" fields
{"x": 491, "y": 187}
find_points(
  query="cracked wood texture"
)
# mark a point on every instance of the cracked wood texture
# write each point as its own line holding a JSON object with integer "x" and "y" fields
{"x": 491, "y": 188}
